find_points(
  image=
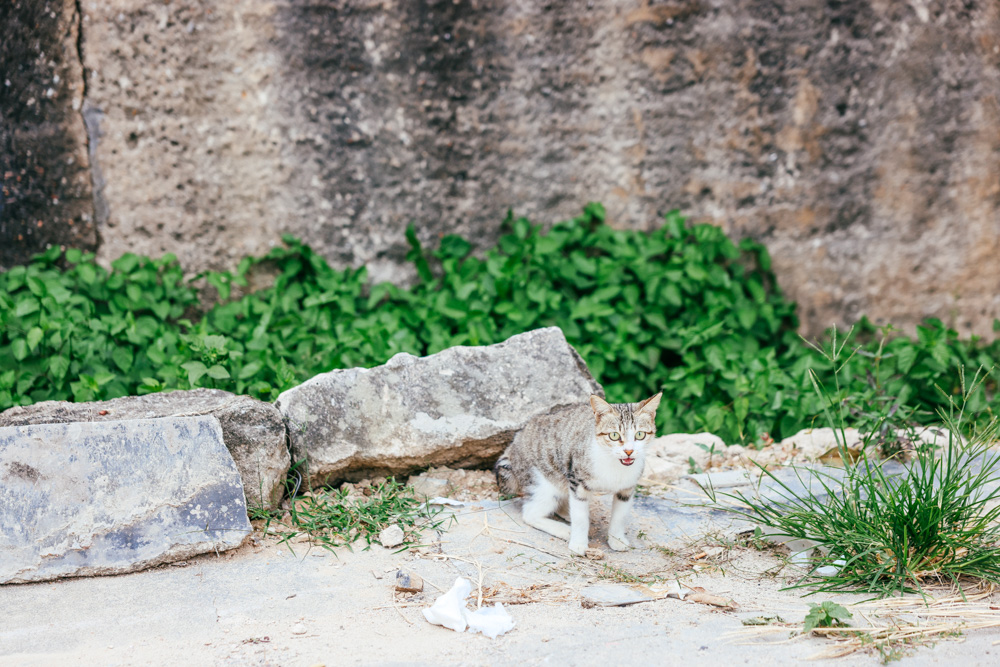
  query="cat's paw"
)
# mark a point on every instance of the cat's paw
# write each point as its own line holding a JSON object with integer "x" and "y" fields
{"x": 578, "y": 548}
{"x": 619, "y": 542}
{"x": 560, "y": 530}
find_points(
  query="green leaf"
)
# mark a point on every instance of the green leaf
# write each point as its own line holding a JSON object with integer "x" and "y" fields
{"x": 747, "y": 317}
{"x": 453, "y": 246}
{"x": 825, "y": 615}
{"x": 87, "y": 273}
{"x": 58, "y": 366}
{"x": 122, "y": 356}
{"x": 218, "y": 372}
{"x": 546, "y": 245}
{"x": 195, "y": 370}
{"x": 596, "y": 211}
{"x": 161, "y": 308}
{"x": 741, "y": 408}
{"x": 26, "y": 306}
{"x": 34, "y": 337}
{"x": 36, "y": 286}
{"x": 215, "y": 343}
{"x": 134, "y": 292}
{"x": 905, "y": 356}
{"x": 19, "y": 348}
{"x": 250, "y": 370}
{"x": 126, "y": 263}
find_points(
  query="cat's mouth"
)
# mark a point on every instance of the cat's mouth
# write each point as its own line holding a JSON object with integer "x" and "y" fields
{"x": 627, "y": 461}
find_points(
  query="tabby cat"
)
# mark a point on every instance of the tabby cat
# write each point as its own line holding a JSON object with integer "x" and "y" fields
{"x": 562, "y": 459}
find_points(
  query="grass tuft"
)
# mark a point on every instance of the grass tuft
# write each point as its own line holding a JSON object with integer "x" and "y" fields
{"x": 892, "y": 533}
{"x": 332, "y": 519}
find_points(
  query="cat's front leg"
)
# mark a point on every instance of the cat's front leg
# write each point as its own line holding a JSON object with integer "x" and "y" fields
{"x": 579, "y": 520}
{"x": 621, "y": 506}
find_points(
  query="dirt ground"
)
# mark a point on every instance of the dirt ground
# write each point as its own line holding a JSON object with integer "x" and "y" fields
{"x": 269, "y": 603}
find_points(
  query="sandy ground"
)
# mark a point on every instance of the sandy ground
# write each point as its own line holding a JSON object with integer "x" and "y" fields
{"x": 264, "y": 604}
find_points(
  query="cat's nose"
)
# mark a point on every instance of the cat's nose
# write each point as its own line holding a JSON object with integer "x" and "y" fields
{"x": 628, "y": 452}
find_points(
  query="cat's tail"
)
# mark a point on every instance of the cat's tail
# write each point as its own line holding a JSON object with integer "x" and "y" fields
{"x": 505, "y": 475}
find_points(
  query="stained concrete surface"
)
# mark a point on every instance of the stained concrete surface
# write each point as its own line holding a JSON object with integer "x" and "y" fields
{"x": 265, "y": 605}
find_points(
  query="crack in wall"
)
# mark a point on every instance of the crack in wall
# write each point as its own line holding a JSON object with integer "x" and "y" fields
{"x": 91, "y": 116}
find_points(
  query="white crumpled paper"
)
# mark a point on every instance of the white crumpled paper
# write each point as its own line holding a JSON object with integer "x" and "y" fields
{"x": 449, "y": 611}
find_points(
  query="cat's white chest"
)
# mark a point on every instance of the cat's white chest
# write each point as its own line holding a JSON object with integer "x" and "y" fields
{"x": 610, "y": 476}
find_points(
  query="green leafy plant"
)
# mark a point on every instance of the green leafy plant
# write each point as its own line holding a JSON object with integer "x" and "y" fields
{"x": 681, "y": 309}
{"x": 693, "y": 467}
{"x": 72, "y": 330}
{"x": 827, "y": 614}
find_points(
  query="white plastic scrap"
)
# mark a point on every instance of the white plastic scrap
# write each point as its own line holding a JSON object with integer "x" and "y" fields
{"x": 449, "y": 611}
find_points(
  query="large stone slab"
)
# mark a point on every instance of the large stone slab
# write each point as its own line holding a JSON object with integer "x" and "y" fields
{"x": 86, "y": 499}
{"x": 459, "y": 407}
{"x": 253, "y": 430}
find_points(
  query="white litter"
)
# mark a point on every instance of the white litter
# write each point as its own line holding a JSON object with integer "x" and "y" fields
{"x": 831, "y": 570}
{"x": 671, "y": 589}
{"x": 491, "y": 621}
{"x": 449, "y": 611}
{"x": 445, "y": 501}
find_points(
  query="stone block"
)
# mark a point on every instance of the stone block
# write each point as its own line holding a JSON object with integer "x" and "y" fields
{"x": 253, "y": 430}
{"x": 460, "y": 407}
{"x": 85, "y": 499}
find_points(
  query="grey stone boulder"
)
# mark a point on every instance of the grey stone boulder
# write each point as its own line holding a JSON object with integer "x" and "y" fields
{"x": 460, "y": 407}
{"x": 89, "y": 498}
{"x": 253, "y": 430}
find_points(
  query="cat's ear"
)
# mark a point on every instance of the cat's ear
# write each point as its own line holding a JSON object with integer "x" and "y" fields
{"x": 650, "y": 404}
{"x": 599, "y": 405}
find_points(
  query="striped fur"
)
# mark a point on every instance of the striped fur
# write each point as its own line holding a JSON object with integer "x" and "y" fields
{"x": 562, "y": 459}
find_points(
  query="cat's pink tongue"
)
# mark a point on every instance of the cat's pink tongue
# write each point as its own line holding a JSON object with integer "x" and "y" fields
{"x": 627, "y": 462}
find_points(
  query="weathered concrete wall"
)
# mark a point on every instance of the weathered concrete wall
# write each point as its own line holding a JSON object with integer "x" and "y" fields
{"x": 45, "y": 184}
{"x": 859, "y": 140}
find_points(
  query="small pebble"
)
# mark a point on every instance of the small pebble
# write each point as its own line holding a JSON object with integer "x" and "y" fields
{"x": 408, "y": 582}
{"x": 298, "y": 629}
{"x": 391, "y": 537}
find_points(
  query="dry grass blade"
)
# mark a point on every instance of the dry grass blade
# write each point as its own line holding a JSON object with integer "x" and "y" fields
{"x": 504, "y": 593}
{"x": 901, "y": 623}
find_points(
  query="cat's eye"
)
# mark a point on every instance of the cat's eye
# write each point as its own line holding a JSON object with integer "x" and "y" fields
{"x": 615, "y": 436}
{"x": 639, "y": 435}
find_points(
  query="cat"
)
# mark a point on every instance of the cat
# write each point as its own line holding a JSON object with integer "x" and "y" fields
{"x": 564, "y": 458}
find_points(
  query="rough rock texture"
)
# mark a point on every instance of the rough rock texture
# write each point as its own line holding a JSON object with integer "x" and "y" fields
{"x": 253, "y": 431}
{"x": 45, "y": 185}
{"x": 859, "y": 140}
{"x": 87, "y": 499}
{"x": 458, "y": 407}
{"x": 696, "y": 455}
{"x": 670, "y": 457}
